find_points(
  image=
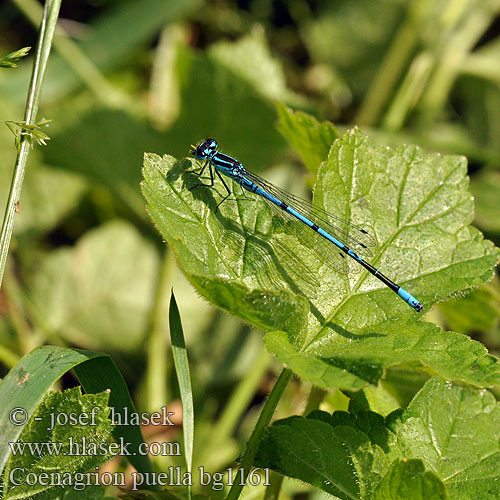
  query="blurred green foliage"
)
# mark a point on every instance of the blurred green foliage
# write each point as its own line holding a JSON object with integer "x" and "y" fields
{"x": 87, "y": 268}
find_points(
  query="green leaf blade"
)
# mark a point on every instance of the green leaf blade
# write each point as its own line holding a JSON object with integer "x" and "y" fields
{"x": 181, "y": 362}
{"x": 309, "y": 137}
{"x": 349, "y": 330}
{"x": 339, "y": 460}
{"x": 456, "y": 431}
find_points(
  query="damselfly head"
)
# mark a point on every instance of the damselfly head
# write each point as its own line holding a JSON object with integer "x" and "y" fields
{"x": 205, "y": 149}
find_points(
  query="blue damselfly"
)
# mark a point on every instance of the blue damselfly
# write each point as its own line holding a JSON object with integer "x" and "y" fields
{"x": 349, "y": 239}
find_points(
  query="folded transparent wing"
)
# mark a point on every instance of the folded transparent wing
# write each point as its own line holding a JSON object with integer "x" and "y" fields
{"x": 355, "y": 237}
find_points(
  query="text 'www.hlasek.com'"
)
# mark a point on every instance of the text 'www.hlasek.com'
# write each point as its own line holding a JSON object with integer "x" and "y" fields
{"x": 90, "y": 446}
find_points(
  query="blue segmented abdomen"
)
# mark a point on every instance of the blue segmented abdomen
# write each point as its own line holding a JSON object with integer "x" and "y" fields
{"x": 407, "y": 297}
{"x": 296, "y": 214}
{"x": 257, "y": 190}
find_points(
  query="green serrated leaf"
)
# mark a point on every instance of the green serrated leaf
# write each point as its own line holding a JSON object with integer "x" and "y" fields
{"x": 456, "y": 432}
{"x": 211, "y": 256}
{"x": 414, "y": 203}
{"x": 311, "y": 138}
{"x": 67, "y": 448}
{"x": 414, "y": 345}
{"x": 445, "y": 443}
{"x": 408, "y": 480}
{"x": 339, "y": 460}
{"x": 418, "y": 208}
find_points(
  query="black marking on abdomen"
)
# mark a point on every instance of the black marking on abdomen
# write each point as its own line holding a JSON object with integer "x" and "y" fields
{"x": 315, "y": 227}
{"x": 283, "y": 205}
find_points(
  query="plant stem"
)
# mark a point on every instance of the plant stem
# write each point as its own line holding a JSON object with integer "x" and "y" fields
{"x": 262, "y": 423}
{"x": 47, "y": 27}
{"x": 410, "y": 91}
{"x": 390, "y": 71}
{"x": 451, "y": 59}
{"x": 80, "y": 63}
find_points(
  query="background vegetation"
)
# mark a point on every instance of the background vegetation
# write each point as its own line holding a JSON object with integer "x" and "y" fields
{"x": 88, "y": 269}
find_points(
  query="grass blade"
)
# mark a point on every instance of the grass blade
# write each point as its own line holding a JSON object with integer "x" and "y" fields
{"x": 262, "y": 423}
{"x": 184, "y": 378}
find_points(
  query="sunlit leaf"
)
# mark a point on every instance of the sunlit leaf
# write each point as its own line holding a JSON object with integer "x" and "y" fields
{"x": 418, "y": 208}
{"x": 445, "y": 442}
{"x": 311, "y": 138}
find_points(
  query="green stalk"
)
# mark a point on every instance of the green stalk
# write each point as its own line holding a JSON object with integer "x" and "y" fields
{"x": 47, "y": 27}
{"x": 262, "y": 423}
{"x": 80, "y": 63}
{"x": 458, "y": 47}
{"x": 390, "y": 72}
{"x": 410, "y": 91}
